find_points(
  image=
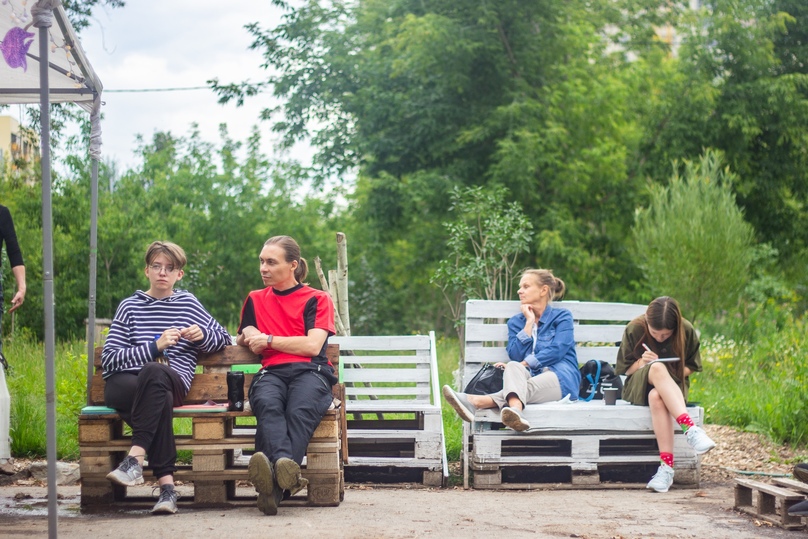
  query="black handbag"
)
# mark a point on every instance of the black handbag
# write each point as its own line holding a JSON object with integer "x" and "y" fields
{"x": 487, "y": 380}
{"x": 595, "y": 375}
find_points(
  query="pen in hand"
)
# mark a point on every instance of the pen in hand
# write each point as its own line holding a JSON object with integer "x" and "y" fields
{"x": 646, "y": 347}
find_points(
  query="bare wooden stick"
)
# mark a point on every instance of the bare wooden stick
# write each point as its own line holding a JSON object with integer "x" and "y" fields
{"x": 325, "y": 286}
{"x": 342, "y": 281}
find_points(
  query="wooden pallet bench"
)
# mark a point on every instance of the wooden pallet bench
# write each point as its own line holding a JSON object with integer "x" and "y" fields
{"x": 770, "y": 502}
{"x": 214, "y": 472}
{"x": 393, "y": 407}
{"x": 577, "y": 444}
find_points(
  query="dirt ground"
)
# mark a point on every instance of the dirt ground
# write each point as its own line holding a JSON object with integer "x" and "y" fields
{"x": 409, "y": 511}
{"x": 403, "y": 513}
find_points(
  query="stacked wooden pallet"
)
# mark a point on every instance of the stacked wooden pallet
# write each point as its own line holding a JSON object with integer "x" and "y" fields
{"x": 215, "y": 438}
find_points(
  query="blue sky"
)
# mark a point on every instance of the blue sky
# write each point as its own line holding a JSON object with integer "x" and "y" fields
{"x": 176, "y": 43}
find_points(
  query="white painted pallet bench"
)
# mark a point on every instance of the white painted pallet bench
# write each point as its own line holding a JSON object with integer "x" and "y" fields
{"x": 393, "y": 405}
{"x": 580, "y": 444}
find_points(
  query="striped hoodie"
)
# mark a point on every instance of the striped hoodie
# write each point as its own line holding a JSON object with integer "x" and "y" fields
{"x": 141, "y": 319}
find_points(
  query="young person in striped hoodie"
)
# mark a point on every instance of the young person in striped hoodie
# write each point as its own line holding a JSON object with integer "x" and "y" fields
{"x": 149, "y": 359}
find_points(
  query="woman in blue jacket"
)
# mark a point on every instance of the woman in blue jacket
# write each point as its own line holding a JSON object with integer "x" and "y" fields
{"x": 543, "y": 365}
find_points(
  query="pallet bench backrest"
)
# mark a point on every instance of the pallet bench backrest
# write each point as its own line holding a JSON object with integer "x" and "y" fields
{"x": 211, "y": 383}
{"x": 598, "y": 330}
{"x": 400, "y": 368}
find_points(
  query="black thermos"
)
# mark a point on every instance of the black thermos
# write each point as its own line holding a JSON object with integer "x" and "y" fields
{"x": 235, "y": 391}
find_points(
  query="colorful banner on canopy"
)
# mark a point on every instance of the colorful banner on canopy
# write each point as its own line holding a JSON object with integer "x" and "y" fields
{"x": 71, "y": 77}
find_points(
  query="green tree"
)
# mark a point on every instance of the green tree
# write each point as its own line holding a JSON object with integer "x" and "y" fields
{"x": 486, "y": 237}
{"x": 692, "y": 242}
{"x": 739, "y": 85}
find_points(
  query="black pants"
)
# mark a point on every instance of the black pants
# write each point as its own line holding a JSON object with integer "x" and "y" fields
{"x": 146, "y": 401}
{"x": 289, "y": 402}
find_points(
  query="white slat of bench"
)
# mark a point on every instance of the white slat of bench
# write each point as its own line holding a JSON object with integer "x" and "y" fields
{"x": 588, "y": 416}
{"x": 587, "y": 310}
{"x": 422, "y": 360}
{"x": 386, "y": 375}
{"x": 393, "y": 407}
{"x": 385, "y": 342}
{"x": 381, "y": 392}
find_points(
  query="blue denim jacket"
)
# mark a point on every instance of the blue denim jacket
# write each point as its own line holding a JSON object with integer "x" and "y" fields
{"x": 555, "y": 347}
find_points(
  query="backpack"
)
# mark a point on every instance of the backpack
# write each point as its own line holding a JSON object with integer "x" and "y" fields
{"x": 595, "y": 375}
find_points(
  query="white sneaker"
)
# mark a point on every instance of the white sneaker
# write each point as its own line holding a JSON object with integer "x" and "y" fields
{"x": 511, "y": 417}
{"x": 662, "y": 480}
{"x": 698, "y": 440}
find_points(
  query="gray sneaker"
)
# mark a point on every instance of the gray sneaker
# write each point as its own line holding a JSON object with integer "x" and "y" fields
{"x": 260, "y": 474}
{"x": 167, "y": 502}
{"x": 128, "y": 473}
{"x": 287, "y": 474}
{"x": 461, "y": 404}
{"x": 512, "y": 418}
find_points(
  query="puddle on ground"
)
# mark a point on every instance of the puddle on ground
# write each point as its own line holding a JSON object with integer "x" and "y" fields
{"x": 26, "y": 505}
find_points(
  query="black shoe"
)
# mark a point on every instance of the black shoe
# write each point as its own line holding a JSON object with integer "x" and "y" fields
{"x": 799, "y": 509}
{"x": 801, "y": 472}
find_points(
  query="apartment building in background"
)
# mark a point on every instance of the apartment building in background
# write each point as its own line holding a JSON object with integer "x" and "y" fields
{"x": 17, "y": 144}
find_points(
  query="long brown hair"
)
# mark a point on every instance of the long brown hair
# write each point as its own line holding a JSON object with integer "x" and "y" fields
{"x": 292, "y": 251}
{"x": 664, "y": 314}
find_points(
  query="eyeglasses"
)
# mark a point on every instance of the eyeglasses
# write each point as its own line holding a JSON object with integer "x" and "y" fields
{"x": 157, "y": 268}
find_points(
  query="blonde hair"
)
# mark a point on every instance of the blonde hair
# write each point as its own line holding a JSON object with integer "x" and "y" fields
{"x": 545, "y": 277}
{"x": 292, "y": 251}
{"x": 171, "y": 250}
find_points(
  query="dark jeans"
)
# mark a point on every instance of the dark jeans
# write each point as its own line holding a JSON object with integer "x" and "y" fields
{"x": 289, "y": 402}
{"x": 146, "y": 401}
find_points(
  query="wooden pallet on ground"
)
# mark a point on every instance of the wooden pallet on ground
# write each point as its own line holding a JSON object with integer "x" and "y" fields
{"x": 768, "y": 502}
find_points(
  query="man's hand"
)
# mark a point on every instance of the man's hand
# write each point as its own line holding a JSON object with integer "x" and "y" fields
{"x": 17, "y": 300}
{"x": 256, "y": 341}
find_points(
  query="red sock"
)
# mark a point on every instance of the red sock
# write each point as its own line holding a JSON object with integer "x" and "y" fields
{"x": 685, "y": 422}
{"x": 667, "y": 458}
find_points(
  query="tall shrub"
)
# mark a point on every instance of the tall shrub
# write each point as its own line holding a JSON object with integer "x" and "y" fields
{"x": 692, "y": 242}
{"x": 484, "y": 240}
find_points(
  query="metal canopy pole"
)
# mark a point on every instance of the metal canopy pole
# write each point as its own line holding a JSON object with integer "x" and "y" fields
{"x": 93, "y": 272}
{"x": 43, "y": 19}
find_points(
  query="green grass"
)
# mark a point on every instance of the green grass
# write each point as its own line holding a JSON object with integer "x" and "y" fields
{"x": 756, "y": 375}
{"x": 448, "y": 351}
{"x": 26, "y": 384}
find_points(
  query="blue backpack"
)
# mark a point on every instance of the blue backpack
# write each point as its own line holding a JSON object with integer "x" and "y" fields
{"x": 595, "y": 375}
